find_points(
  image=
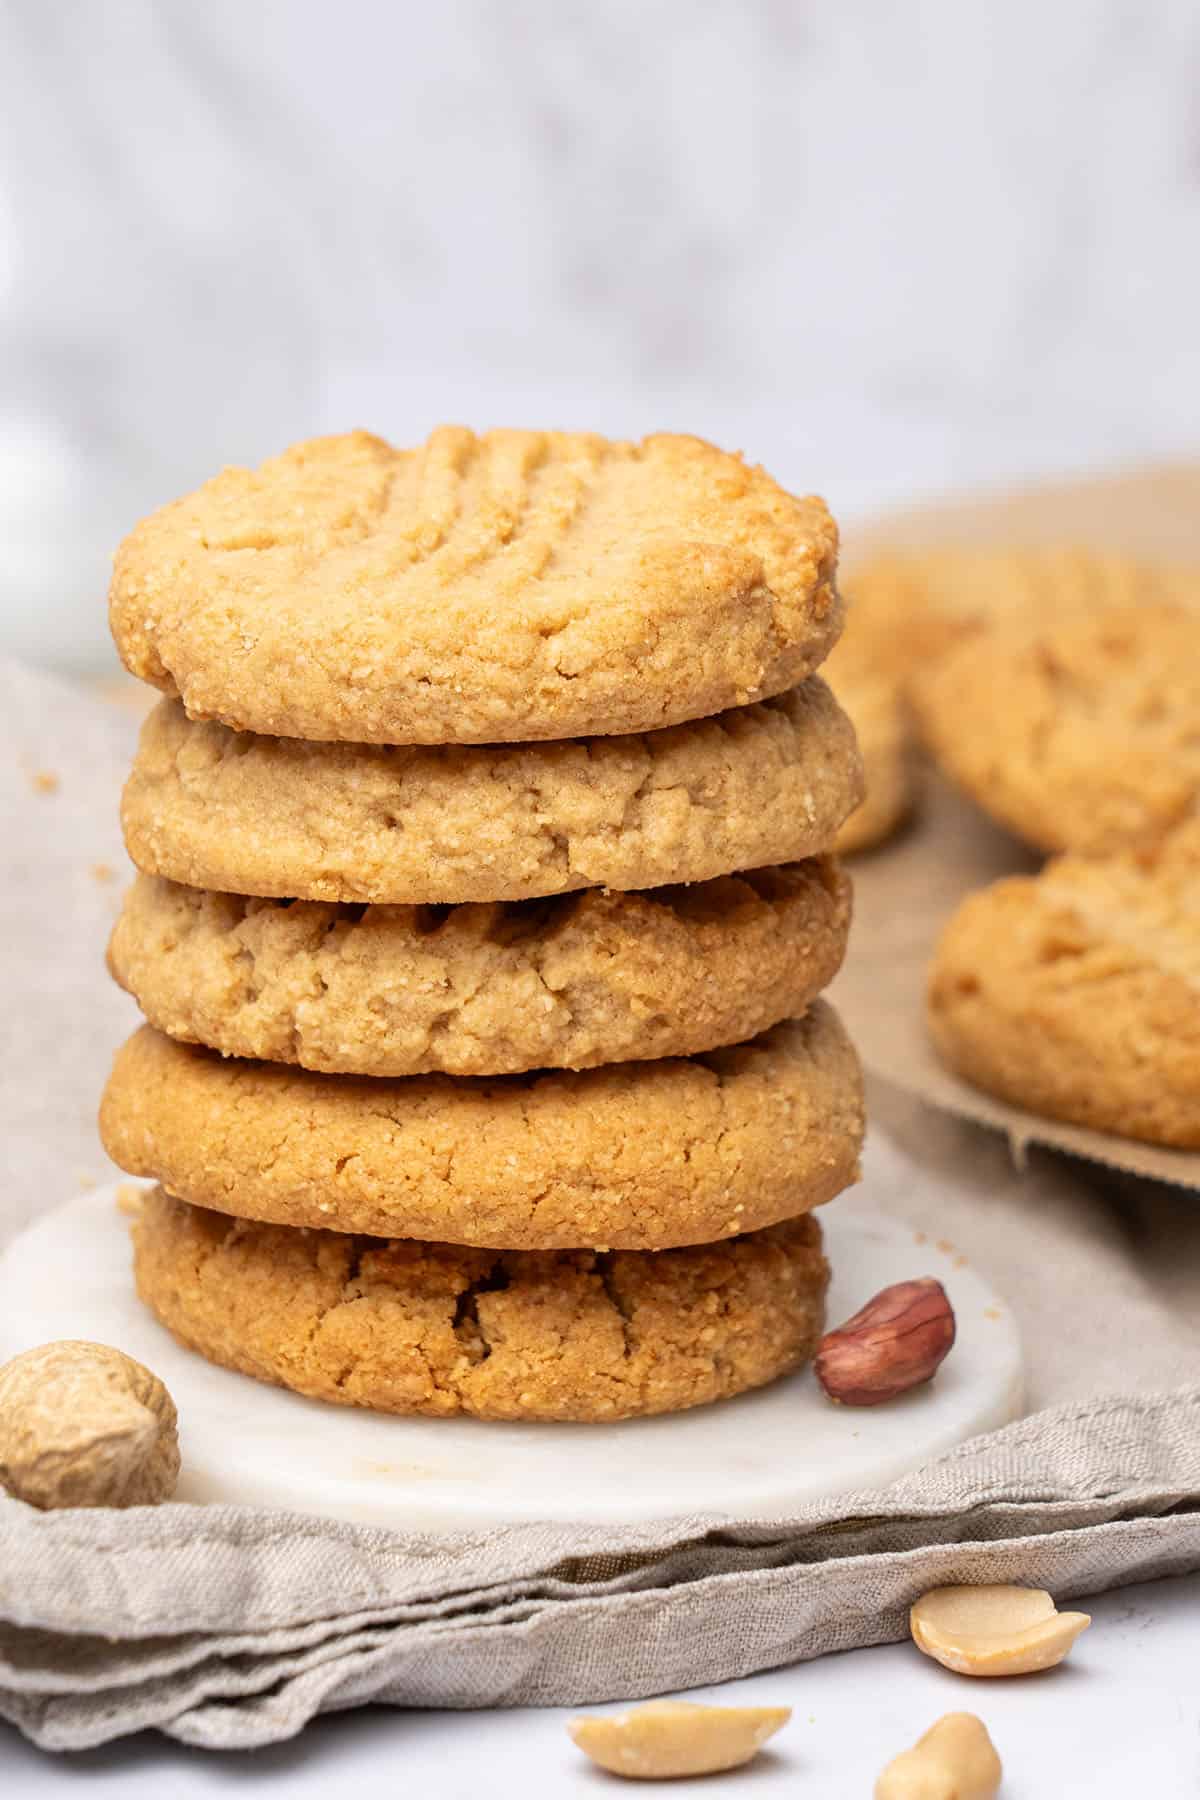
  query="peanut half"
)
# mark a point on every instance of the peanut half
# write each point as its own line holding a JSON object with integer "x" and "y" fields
{"x": 893, "y": 1343}
{"x": 85, "y": 1425}
{"x": 674, "y": 1737}
{"x": 954, "y": 1760}
{"x": 994, "y": 1630}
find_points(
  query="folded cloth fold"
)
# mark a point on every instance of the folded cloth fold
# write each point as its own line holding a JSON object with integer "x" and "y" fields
{"x": 229, "y": 1628}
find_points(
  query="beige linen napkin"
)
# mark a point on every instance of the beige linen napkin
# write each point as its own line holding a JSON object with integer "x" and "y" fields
{"x": 227, "y": 1626}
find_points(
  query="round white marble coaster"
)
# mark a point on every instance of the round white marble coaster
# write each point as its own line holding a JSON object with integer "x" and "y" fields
{"x": 758, "y": 1457}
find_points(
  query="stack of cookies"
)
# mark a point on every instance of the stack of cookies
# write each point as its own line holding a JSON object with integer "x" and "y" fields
{"x": 484, "y": 903}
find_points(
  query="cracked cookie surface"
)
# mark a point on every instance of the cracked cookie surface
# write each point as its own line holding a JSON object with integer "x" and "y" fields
{"x": 640, "y": 1156}
{"x": 407, "y": 1327}
{"x": 1076, "y": 992}
{"x": 409, "y": 825}
{"x": 519, "y": 585}
{"x": 569, "y": 982}
{"x": 1077, "y": 732}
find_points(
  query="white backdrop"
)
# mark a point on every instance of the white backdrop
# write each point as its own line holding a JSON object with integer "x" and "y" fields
{"x": 885, "y": 249}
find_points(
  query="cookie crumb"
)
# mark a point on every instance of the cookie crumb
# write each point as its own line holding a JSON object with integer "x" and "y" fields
{"x": 45, "y": 781}
{"x": 103, "y": 872}
{"x": 129, "y": 1199}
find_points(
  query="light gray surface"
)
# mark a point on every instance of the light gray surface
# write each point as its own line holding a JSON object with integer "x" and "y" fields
{"x": 1121, "y": 1718}
{"x": 885, "y": 249}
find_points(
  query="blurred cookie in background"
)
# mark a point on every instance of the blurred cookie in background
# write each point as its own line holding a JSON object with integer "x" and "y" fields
{"x": 1076, "y": 728}
{"x": 870, "y": 693}
{"x": 1073, "y": 993}
{"x": 910, "y": 607}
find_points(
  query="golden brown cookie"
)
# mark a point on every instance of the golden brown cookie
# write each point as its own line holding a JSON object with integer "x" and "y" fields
{"x": 568, "y": 983}
{"x": 635, "y": 1156}
{"x": 1077, "y": 733}
{"x": 277, "y": 817}
{"x": 872, "y": 695}
{"x": 912, "y": 606}
{"x": 1075, "y": 993}
{"x": 408, "y": 1327}
{"x": 478, "y": 590}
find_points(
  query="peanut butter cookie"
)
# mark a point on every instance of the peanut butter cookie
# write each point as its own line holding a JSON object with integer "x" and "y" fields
{"x": 284, "y": 819}
{"x": 1079, "y": 732}
{"x": 570, "y": 982}
{"x": 478, "y": 590}
{"x": 635, "y": 1156}
{"x": 912, "y": 606}
{"x": 1076, "y": 993}
{"x": 407, "y": 1327}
